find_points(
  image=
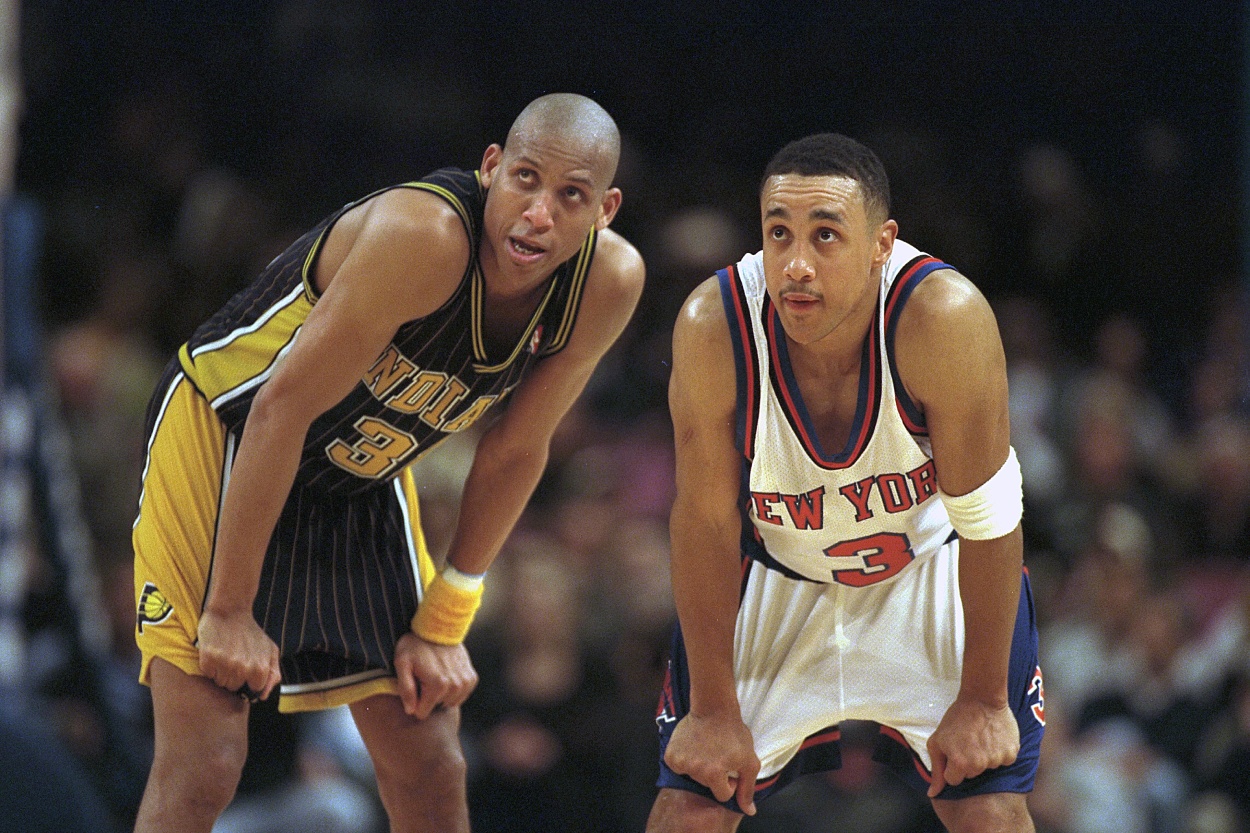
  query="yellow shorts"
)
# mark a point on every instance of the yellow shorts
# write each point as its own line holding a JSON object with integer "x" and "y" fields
{"x": 342, "y": 576}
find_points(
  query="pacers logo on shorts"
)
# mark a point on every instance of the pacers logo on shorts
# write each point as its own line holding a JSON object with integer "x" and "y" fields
{"x": 154, "y": 608}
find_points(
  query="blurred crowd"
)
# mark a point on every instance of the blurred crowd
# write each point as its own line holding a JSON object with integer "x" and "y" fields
{"x": 1122, "y": 314}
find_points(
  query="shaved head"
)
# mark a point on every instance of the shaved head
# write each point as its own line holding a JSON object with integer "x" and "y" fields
{"x": 575, "y": 119}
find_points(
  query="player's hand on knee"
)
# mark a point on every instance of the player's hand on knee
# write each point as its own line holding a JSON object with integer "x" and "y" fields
{"x": 719, "y": 753}
{"x": 432, "y": 676}
{"x": 236, "y": 654}
{"x": 971, "y": 738}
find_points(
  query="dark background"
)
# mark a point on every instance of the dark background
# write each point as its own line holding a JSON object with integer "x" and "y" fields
{"x": 319, "y": 102}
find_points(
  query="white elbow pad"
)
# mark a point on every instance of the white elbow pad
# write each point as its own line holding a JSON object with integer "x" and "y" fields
{"x": 993, "y": 509}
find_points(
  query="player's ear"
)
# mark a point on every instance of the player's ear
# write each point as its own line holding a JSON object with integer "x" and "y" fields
{"x": 490, "y": 161}
{"x": 608, "y": 208}
{"x": 886, "y": 234}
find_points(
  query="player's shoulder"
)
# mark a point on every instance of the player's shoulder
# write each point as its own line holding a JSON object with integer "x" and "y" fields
{"x": 947, "y": 338}
{"x": 416, "y": 212}
{"x": 419, "y": 227}
{"x": 398, "y": 231}
{"x": 618, "y": 264}
{"x": 944, "y": 302}
{"x": 703, "y": 381}
{"x": 614, "y": 283}
{"x": 702, "y": 315}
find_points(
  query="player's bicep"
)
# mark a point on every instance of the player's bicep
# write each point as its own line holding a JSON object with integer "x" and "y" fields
{"x": 377, "y": 285}
{"x": 329, "y": 356}
{"x": 702, "y": 403}
{"x": 951, "y": 358}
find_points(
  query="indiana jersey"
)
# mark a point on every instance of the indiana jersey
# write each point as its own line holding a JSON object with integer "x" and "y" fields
{"x": 857, "y": 515}
{"x": 436, "y": 378}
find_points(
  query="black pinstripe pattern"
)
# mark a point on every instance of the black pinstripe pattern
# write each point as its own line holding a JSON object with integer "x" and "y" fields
{"x": 337, "y": 586}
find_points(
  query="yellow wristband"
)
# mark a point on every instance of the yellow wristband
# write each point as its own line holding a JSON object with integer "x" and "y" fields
{"x": 446, "y": 612}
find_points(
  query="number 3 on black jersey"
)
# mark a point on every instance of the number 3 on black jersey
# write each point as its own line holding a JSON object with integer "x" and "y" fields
{"x": 380, "y": 448}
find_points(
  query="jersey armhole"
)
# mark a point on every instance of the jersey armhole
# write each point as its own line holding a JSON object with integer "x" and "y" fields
{"x": 900, "y": 290}
{"x": 746, "y": 362}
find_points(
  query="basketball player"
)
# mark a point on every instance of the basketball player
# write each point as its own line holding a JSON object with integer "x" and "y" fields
{"x": 278, "y": 548}
{"x": 845, "y": 536}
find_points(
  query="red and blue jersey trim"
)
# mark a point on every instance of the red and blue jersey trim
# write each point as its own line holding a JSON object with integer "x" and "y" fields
{"x": 785, "y": 385}
{"x": 746, "y": 360}
{"x": 908, "y": 279}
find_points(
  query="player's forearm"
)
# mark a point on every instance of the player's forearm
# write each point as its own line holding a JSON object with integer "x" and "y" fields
{"x": 259, "y": 484}
{"x": 500, "y": 484}
{"x": 989, "y": 583}
{"x": 706, "y": 576}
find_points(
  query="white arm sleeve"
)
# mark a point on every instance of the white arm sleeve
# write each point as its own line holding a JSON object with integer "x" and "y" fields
{"x": 993, "y": 509}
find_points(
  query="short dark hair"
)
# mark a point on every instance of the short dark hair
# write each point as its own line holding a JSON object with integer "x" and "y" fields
{"x": 832, "y": 154}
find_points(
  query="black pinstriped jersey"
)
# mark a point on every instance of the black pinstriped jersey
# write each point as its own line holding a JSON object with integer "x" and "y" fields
{"x": 437, "y": 376}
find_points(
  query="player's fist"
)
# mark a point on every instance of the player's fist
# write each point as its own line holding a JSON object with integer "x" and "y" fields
{"x": 432, "y": 676}
{"x": 237, "y": 654}
{"x": 971, "y": 738}
{"x": 719, "y": 753}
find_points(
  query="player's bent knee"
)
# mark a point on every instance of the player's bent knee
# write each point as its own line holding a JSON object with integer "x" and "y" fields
{"x": 431, "y": 787}
{"x": 185, "y": 789}
{"x": 430, "y": 769}
{"x": 678, "y": 811}
{"x": 201, "y": 743}
{"x": 992, "y": 813}
{"x": 414, "y": 760}
{"x": 210, "y": 797}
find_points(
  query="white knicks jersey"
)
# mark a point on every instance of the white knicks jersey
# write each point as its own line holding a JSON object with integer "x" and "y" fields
{"x": 856, "y": 516}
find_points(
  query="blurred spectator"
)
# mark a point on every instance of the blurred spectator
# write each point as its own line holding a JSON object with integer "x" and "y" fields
{"x": 1148, "y": 688}
{"x": 1115, "y": 452}
{"x": 1084, "y": 637}
{"x": 636, "y": 615}
{"x": 1035, "y": 380}
{"x": 1121, "y": 351}
{"x": 45, "y": 791}
{"x": 540, "y": 752}
{"x": 1218, "y": 385}
{"x": 1214, "y": 812}
{"x": 104, "y": 367}
{"x": 1112, "y": 782}
{"x": 1224, "y": 766}
{"x": 1217, "y": 511}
